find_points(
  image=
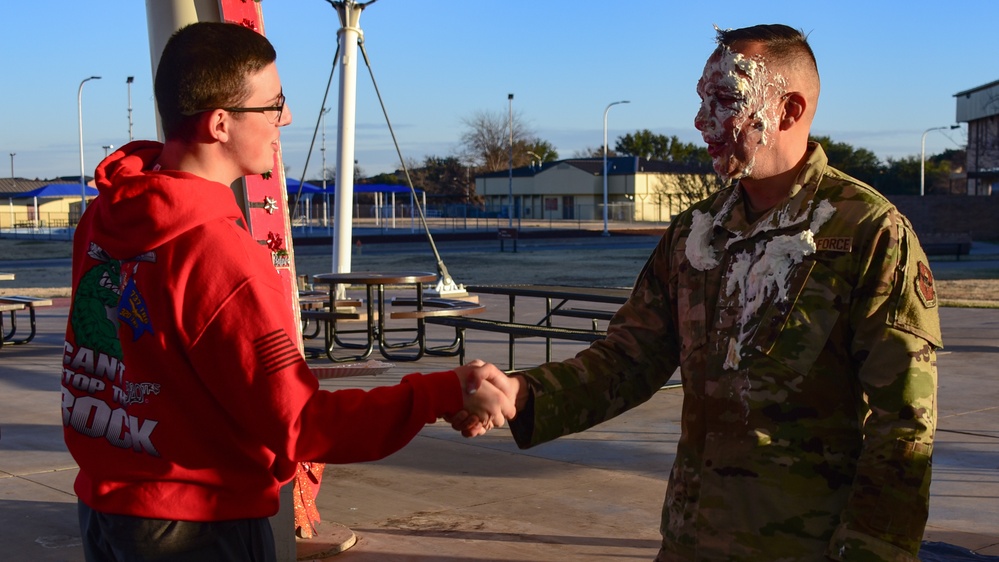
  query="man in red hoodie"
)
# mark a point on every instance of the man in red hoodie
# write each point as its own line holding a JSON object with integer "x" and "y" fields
{"x": 185, "y": 400}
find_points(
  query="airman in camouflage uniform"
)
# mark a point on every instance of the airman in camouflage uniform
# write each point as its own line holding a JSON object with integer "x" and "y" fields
{"x": 805, "y": 336}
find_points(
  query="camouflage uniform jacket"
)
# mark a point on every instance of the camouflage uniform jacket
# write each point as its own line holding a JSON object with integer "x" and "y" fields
{"x": 806, "y": 346}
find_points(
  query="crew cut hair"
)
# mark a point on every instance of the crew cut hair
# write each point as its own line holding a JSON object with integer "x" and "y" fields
{"x": 784, "y": 45}
{"x": 204, "y": 66}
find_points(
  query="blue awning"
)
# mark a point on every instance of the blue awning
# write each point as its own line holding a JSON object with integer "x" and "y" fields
{"x": 56, "y": 190}
{"x": 293, "y": 184}
{"x": 381, "y": 188}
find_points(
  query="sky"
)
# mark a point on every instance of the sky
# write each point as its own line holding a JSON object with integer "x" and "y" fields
{"x": 889, "y": 72}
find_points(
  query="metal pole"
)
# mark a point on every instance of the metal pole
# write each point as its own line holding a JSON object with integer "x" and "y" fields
{"x": 509, "y": 211}
{"x": 326, "y": 195}
{"x": 10, "y": 200}
{"x": 79, "y": 111}
{"x": 922, "y": 157}
{"x": 607, "y": 232}
{"x": 128, "y": 81}
{"x": 107, "y": 147}
{"x": 349, "y": 35}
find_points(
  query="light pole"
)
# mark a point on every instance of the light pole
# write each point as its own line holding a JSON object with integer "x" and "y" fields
{"x": 128, "y": 82}
{"x": 468, "y": 171}
{"x": 535, "y": 156}
{"x": 79, "y": 112}
{"x": 107, "y": 147}
{"x": 326, "y": 195}
{"x": 610, "y": 105}
{"x": 509, "y": 210}
{"x": 922, "y": 157}
{"x": 14, "y": 182}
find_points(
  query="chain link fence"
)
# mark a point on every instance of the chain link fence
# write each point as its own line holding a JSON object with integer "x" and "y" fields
{"x": 316, "y": 219}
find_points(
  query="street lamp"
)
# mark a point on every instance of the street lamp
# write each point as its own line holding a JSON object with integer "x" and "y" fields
{"x": 535, "y": 157}
{"x": 509, "y": 210}
{"x": 128, "y": 82}
{"x": 610, "y": 105}
{"x": 326, "y": 194}
{"x": 107, "y": 147}
{"x": 922, "y": 156}
{"x": 14, "y": 187}
{"x": 79, "y": 112}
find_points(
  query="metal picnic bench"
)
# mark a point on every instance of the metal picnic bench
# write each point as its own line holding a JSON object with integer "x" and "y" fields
{"x": 955, "y": 244}
{"x": 13, "y": 304}
{"x": 377, "y": 330}
{"x": 543, "y": 328}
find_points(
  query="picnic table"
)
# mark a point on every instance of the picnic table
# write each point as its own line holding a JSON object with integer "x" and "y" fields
{"x": 15, "y": 303}
{"x": 560, "y": 300}
{"x": 12, "y": 304}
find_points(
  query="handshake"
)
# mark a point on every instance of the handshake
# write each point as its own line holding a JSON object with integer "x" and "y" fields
{"x": 490, "y": 398}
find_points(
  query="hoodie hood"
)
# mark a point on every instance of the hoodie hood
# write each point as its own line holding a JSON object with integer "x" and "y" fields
{"x": 139, "y": 208}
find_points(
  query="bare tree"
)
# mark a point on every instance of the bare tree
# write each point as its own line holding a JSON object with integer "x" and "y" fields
{"x": 677, "y": 191}
{"x": 590, "y": 152}
{"x": 486, "y": 140}
{"x": 329, "y": 173}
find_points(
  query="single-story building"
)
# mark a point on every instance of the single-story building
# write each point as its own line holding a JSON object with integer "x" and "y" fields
{"x": 637, "y": 189}
{"x": 41, "y": 203}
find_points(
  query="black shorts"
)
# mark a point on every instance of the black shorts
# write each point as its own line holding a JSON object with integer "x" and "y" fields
{"x": 124, "y": 538}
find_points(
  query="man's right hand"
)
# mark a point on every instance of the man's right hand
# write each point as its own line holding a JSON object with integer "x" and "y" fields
{"x": 479, "y": 377}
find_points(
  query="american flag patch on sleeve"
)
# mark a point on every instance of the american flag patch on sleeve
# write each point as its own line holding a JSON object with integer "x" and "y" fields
{"x": 277, "y": 351}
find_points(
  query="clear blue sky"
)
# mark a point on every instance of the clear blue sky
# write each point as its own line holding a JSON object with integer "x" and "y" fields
{"x": 889, "y": 71}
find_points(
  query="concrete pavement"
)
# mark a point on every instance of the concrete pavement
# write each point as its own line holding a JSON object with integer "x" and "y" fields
{"x": 592, "y": 496}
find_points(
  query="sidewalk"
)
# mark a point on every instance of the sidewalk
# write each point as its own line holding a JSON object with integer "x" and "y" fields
{"x": 592, "y": 496}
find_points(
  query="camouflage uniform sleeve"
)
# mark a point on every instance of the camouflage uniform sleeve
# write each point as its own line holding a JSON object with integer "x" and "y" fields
{"x": 897, "y": 331}
{"x": 625, "y": 369}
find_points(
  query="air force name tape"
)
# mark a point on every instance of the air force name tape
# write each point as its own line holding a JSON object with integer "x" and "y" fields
{"x": 843, "y": 244}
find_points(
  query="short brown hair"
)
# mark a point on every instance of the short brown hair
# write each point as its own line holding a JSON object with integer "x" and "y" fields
{"x": 204, "y": 66}
{"x": 784, "y": 45}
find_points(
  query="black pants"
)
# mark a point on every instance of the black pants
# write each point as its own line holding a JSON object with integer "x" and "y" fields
{"x": 124, "y": 538}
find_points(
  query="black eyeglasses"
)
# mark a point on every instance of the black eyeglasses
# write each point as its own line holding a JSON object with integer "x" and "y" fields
{"x": 277, "y": 109}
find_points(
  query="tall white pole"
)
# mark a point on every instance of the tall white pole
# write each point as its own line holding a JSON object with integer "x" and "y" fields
{"x": 922, "y": 157}
{"x": 612, "y": 104}
{"x": 509, "y": 212}
{"x": 79, "y": 112}
{"x": 348, "y": 35}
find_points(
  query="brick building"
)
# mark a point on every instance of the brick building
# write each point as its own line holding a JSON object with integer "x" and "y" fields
{"x": 979, "y": 108}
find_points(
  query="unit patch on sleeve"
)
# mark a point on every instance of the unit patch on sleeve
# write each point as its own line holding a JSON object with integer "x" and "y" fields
{"x": 924, "y": 285}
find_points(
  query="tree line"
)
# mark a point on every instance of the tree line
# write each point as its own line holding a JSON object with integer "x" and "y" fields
{"x": 486, "y": 141}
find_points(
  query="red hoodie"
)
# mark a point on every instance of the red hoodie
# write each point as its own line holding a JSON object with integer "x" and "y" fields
{"x": 216, "y": 404}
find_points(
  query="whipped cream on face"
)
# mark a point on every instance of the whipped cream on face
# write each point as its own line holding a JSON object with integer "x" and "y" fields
{"x": 741, "y": 92}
